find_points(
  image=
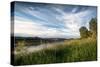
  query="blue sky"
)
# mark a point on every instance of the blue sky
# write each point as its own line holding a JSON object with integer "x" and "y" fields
{"x": 51, "y": 20}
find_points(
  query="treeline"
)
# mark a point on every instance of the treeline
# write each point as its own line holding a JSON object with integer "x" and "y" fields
{"x": 28, "y": 41}
{"x": 92, "y": 32}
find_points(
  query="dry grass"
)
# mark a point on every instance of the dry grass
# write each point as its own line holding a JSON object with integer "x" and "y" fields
{"x": 70, "y": 51}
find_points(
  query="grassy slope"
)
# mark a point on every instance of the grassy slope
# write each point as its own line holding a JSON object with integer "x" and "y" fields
{"x": 71, "y": 51}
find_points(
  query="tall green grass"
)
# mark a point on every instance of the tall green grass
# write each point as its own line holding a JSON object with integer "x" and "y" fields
{"x": 70, "y": 51}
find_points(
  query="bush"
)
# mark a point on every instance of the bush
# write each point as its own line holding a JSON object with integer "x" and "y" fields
{"x": 83, "y": 32}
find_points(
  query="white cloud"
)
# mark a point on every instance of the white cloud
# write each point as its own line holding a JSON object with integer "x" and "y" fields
{"x": 33, "y": 12}
{"x": 30, "y": 28}
{"x": 72, "y": 23}
{"x": 59, "y": 10}
{"x": 34, "y": 29}
{"x": 74, "y": 10}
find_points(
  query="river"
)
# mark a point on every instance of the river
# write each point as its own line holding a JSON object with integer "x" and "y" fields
{"x": 30, "y": 49}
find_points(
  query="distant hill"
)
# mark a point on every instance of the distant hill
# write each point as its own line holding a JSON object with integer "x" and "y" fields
{"x": 36, "y": 40}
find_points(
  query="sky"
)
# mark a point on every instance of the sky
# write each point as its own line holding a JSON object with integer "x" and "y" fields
{"x": 51, "y": 20}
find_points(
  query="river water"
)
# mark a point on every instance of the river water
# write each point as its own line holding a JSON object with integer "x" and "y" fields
{"x": 40, "y": 47}
{"x": 43, "y": 46}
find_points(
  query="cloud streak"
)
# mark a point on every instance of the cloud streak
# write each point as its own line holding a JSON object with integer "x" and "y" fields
{"x": 47, "y": 21}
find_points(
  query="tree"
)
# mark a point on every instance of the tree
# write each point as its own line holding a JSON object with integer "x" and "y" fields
{"x": 93, "y": 25}
{"x": 89, "y": 34}
{"x": 84, "y": 32}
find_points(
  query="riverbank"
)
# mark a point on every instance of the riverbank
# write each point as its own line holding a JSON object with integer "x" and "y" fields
{"x": 72, "y": 51}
